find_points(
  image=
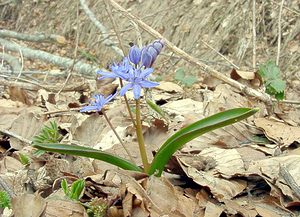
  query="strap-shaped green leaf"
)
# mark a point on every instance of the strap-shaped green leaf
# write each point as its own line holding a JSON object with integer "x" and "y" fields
{"x": 88, "y": 152}
{"x": 194, "y": 130}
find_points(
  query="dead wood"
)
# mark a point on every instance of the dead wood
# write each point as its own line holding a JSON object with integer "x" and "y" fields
{"x": 39, "y": 37}
{"x": 63, "y": 62}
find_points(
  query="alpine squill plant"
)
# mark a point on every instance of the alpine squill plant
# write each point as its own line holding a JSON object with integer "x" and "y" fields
{"x": 133, "y": 72}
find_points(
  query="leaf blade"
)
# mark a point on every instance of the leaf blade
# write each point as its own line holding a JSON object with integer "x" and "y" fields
{"x": 88, "y": 152}
{"x": 194, "y": 130}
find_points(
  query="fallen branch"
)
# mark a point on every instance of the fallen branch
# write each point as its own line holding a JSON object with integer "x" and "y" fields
{"x": 243, "y": 88}
{"x": 78, "y": 86}
{"x": 102, "y": 28}
{"x": 63, "y": 62}
{"x": 40, "y": 37}
{"x": 12, "y": 61}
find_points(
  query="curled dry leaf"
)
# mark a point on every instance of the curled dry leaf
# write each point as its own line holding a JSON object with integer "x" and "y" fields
{"x": 278, "y": 132}
{"x": 228, "y": 164}
{"x": 282, "y": 174}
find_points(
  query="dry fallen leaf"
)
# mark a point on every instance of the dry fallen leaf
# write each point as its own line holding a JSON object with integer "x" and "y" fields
{"x": 28, "y": 205}
{"x": 278, "y": 132}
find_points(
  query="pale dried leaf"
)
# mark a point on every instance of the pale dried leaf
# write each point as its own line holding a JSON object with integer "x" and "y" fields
{"x": 278, "y": 132}
{"x": 168, "y": 199}
{"x": 213, "y": 210}
{"x": 61, "y": 207}
{"x": 28, "y": 205}
{"x": 269, "y": 169}
{"x": 169, "y": 87}
{"x": 27, "y": 125}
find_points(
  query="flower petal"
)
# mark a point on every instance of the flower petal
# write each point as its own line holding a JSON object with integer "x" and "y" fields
{"x": 106, "y": 75}
{"x": 137, "y": 91}
{"x": 125, "y": 89}
{"x": 148, "y": 84}
{"x": 145, "y": 73}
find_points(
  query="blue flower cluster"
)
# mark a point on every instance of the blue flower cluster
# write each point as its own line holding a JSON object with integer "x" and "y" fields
{"x": 134, "y": 69}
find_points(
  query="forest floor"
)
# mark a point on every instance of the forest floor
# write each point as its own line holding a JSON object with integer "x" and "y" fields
{"x": 50, "y": 51}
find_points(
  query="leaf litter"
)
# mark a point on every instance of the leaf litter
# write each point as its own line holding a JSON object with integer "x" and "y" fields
{"x": 222, "y": 165}
{"x": 229, "y": 171}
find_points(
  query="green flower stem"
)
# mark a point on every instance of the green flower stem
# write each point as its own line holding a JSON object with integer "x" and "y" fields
{"x": 127, "y": 105}
{"x": 140, "y": 137}
{"x": 117, "y": 135}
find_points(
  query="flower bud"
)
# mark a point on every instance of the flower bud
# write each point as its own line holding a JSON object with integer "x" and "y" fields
{"x": 135, "y": 55}
{"x": 158, "y": 45}
{"x": 146, "y": 58}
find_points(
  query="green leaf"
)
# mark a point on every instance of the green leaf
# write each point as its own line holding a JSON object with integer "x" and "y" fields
{"x": 24, "y": 159}
{"x": 193, "y": 131}
{"x": 189, "y": 80}
{"x": 156, "y": 108}
{"x": 88, "y": 152}
{"x": 64, "y": 186}
{"x": 5, "y": 200}
{"x": 270, "y": 74}
{"x": 77, "y": 189}
{"x": 179, "y": 74}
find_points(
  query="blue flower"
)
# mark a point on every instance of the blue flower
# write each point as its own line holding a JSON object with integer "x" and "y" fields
{"x": 137, "y": 79}
{"x": 117, "y": 69}
{"x": 97, "y": 103}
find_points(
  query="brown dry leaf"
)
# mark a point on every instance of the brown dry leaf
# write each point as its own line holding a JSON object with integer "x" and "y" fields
{"x": 90, "y": 130}
{"x": 169, "y": 87}
{"x": 227, "y": 164}
{"x": 27, "y": 125}
{"x": 169, "y": 199}
{"x": 28, "y": 205}
{"x": 21, "y": 95}
{"x": 280, "y": 133}
{"x": 9, "y": 111}
{"x": 61, "y": 207}
{"x": 272, "y": 171}
{"x": 235, "y": 208}
{"x": 237, "y": 74}
{"x": 212, "y": 210}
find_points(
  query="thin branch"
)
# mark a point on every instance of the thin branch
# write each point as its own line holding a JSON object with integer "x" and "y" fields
{"x": 279, "y": 33}
{"x": 254, "y": 34}
{"x": 64, "y": 62}
{"x": 30, "y": 85}
{"x": 40, "y": 37}
{"x": 243, "y": 88}
{"x": 12, "y": 61}
{"x": 99, "y": 25}
{"x": 225, "y": 58}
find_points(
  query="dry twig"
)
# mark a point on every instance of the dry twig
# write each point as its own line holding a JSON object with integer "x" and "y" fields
{"x": 279, "y": 33}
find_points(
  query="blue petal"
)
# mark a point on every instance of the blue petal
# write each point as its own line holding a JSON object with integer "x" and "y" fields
{"x": 146, "y": 58}
{"x": 145, "y": 73}
{"x": 137, "y": 91}
{"x": 125, "y": 89}
{"x": 89, "y": 108}
{"x": 106, "y": 75}
{"x": 135, "y": 54}
{"x": 148, "y": 84}
{"x": 110, "y": 97}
